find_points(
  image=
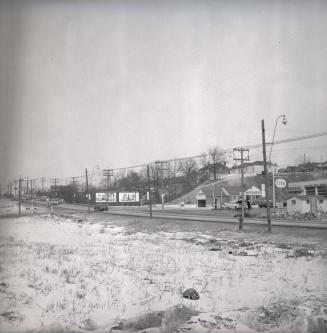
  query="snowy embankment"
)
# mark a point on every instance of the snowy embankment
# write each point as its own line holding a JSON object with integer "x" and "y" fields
{"x": 73, "y": 274}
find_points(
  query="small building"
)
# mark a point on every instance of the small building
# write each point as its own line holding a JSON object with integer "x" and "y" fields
{"x": 253, "y": 194}
{"x": 201, "y": 199}
{"x": 305, "y": 203}
{"x": 234, "y": 193}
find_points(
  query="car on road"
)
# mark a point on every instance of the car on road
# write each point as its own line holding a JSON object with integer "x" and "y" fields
{"x": 56, "y": 201}
{"x": 232, "y": 205}
{"x": 100, "y": 207}
{"x": 236, "y": 205}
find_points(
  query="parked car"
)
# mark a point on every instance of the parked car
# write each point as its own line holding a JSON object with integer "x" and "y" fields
{"x": 263, "y": 204}
{"x": 56, "y": 201}
{"x": 236, "y": 205}
{"x": 100, "y": 207}
{"x": 43, "y": 198}
{"x": 232, "y": 205}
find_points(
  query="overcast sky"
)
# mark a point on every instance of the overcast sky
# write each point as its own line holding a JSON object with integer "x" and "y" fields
{"x": 118, "y": 83}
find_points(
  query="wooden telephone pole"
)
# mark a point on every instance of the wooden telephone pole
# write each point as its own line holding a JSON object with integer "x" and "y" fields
{"x": 108, "y": 173}
{"x": 19, "y": 194}
{"x": 73, "y": 180}
{"x": 241, "y": 150}
{"x": 42, "y": 181}
{"x": 87, "y": 191}
{"x": 161, "y": 166}
{"x": 149, "y": 190}
{"x": 55, "y": 181}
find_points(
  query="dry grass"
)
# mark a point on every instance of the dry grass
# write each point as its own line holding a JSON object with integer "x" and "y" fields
{"x": 91, "y": 276}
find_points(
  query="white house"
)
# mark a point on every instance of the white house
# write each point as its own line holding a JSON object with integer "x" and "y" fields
{"x": 305, "y": 204}
{"x": 253, "y": 194}
{"x": 253, "y": 168}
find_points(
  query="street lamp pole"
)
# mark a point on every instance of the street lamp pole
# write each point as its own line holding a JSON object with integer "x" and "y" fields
{"x": 266, "y": 174}
{"x": 90, "y": 183}
{"x": 284, "y": 121}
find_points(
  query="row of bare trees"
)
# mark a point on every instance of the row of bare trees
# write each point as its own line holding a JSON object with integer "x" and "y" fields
{"x": 173, "y": 178}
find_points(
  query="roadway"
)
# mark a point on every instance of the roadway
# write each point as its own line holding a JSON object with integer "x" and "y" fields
{"x": 186, "y": 214}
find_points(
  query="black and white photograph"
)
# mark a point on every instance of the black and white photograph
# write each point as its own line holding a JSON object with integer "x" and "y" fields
{"x": 163, "y": 166}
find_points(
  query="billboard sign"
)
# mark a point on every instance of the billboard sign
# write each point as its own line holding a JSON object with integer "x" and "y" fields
{"x": 129, "y": 197}
{"x": 102, "y": 197}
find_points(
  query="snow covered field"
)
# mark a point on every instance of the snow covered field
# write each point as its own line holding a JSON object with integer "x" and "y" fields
{"x": 104, "y": 273}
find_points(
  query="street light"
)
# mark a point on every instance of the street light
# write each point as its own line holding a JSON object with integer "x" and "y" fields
{"x": 265, "y": 164}
{"x": 284, "y": 122}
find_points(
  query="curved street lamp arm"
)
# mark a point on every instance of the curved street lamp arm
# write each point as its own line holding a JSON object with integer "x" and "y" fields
{"x": 272, "y": 142}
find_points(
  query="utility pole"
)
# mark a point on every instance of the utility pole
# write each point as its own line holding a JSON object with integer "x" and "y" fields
{"x": 87, "y": 191}
{"x": 74, "y": 190}
{"x": 15, "y": 188}
{"x": 149, "y": 190}
{"x": 266, "y": 173}
{"x": 26, "y": 187}
{"x": 241, "y": 150}
{"x": 42, "y": 181}
{"x": 19, "y": 194}
{"x": 31, "y": 188}
{"x": 108, "y": 173}
{"x": 55, "y": 181}
{"x": 32, "y": 183}
{"x": 160, "y": 165}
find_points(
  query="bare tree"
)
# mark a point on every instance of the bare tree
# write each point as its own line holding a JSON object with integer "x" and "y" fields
{"x": 212, "y": 159}
{"x": 155, "y": 180}
{"x": 130, "y": 182}
{"x": 189, "y": 169}
{"x": 172, "y": 169}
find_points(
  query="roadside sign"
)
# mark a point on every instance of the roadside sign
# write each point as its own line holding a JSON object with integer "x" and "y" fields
{"x": 280, "y": 183}
{"x": 279, "y": 205}
{"x": 105, "y": 197}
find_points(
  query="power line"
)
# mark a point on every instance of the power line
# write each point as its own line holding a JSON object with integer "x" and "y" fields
{"x": 297, "y": 138}
{"x": 198, "y": 156}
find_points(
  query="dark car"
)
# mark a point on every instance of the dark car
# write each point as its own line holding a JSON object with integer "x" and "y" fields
{"x": 263, "y": 204}
{"x": 56, "y": 201}
{"x": 100, "y": 207}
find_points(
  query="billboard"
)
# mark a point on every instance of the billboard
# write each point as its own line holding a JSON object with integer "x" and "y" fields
{"x": 102, "y": 197}
{"x": 129, "y": 197}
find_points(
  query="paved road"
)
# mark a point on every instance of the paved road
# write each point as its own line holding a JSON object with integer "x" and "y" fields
{"x": 188, "y": 215}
